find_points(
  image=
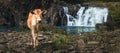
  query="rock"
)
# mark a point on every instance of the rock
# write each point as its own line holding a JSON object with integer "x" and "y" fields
{"x": 97, "y": 50}
{"x": 73, "y": 52}
{"x": 40, "y": 35}
{"x": 40, "y": 38}
{"x": 60, "y": 51}
{"x": 93, "y": 43}
{"x": 71, "y": 48}
{"x": 3, "y": 48}
{"x": 50, "y": 41}
{"x": 3, "y": 39}
{"x": 112, "y": 41}
{"x": 29, "y": 44}
{"x": 80, "y": 45}
{"x": 112, "y": 45}
{"x": 10, "y": 34}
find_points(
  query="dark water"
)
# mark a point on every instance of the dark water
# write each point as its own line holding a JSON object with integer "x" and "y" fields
{"x": 67, "y": 29}
{"x": 9, "y": 28}
{"x": 77, "y": 29}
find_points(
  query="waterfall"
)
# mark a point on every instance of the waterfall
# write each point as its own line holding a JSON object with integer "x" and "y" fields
{"x": 86, "y": 18}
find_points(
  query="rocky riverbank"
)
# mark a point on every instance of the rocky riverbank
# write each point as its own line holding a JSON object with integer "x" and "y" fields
{"x": 19, "y": 42}
{"x": 14, "y": 42}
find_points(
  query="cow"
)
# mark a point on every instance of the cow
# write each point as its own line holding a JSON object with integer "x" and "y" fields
{"x": 34, "y": 17}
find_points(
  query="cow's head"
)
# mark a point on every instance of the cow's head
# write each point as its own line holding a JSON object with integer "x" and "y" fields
{"x": 38, "y": 14}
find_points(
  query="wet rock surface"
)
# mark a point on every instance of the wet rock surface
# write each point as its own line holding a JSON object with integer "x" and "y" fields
{"x": 14, "y": 41}
{"x": 19, "y": 42}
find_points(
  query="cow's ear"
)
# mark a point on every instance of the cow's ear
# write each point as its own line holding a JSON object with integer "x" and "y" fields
{"x": 33, "y": 12}
{"x": 36, "y": 11}
{"x": 44, "y": 11}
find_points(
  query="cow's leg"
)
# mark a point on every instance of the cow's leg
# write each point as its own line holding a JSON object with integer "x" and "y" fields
{"x": 37, "y": 29}
{"x": 33, "y": 36}
{"x": 36, "y": 35}
{"x": 36, "y": 42}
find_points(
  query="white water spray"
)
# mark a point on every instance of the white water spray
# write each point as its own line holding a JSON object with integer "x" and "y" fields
{"x": 87, "y": 17}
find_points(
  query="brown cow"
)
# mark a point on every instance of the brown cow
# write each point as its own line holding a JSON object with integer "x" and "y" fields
{"x": 33, "y": 19}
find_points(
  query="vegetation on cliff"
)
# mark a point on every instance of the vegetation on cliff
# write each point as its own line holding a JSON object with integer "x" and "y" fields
{"x": 17, "y": 11}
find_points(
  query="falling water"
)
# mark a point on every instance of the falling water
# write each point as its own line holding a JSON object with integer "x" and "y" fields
{"x": 86, "y": 18}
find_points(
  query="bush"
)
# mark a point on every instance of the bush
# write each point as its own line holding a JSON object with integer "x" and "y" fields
{"x": 116, "y": 16}
{"x": 108, "y": 41}
{"x": 63, "y": 41}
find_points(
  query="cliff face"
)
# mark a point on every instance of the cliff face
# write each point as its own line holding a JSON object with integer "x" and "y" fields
{"x": 11, "y": 10}
{"x": 14, "y": 13}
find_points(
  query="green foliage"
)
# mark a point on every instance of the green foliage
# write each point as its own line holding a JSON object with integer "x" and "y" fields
{"x": 91, "y": 37}
{"x": 63, "y": 41}
{"x": 116, "y": 16}
{"x": 108, "y": 40}
{"x": 46, "y": 27}
{"x": 83, "y": 1}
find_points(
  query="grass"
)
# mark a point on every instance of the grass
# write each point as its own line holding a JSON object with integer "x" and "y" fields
{"x": 63, "y": 41}
{"x": 109, "y": 40}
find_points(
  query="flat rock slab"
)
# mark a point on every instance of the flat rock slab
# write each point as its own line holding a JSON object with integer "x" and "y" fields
{"x": 93, "y": 43}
